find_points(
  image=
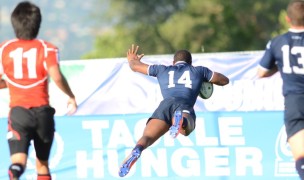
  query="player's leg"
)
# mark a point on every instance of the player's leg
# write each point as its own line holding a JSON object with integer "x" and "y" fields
{"x": 156, "y": 126}
{"x": 18, "y": 165}
{"x": 19, "y": 135}
{"x": 177, "y": 122}
{"x": 294, "y": 124}
{"x": 43, "y": 140}
{"x": 296, "y": 143}
{"x": 154, "y": 129}
{"x": 43, "y": 170}
{"x": 42, "y": 164}
{"x": 182, "y": 122}
{"x": 188, "y": 124}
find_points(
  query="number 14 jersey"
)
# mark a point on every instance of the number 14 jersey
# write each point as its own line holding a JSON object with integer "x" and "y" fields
{"x": 182, "y": 80}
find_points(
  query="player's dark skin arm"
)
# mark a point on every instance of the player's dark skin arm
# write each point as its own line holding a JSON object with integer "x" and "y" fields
{"x": 138, "y": 66}
{"x": 134, "y": 61}
{"x": 219, "y": 79}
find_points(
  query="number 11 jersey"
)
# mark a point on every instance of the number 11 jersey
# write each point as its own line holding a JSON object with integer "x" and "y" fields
{"x": 24, "y": 64}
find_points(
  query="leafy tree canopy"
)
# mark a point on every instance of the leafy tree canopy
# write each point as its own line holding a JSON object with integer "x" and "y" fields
{"x": 164, "y": 26}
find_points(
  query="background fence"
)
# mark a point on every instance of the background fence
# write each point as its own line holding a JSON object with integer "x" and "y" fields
{"x": 239, "y": 133}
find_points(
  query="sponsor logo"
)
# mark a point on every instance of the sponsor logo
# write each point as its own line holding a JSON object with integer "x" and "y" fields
{"x": 284, "y": 162}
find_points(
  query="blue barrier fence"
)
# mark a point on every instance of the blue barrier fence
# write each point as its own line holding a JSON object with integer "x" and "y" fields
{"x": 224, "y": 146}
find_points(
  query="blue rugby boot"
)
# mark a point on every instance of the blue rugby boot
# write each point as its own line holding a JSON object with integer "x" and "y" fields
{"x": 128, "y": 162}
{"x": 176, "y": 124}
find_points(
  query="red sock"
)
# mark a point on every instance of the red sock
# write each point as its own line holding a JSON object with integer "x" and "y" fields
{"x": 44, "y": 177}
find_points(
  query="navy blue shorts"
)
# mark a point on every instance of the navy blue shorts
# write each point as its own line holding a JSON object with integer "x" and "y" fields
{"x": 294, "y": 114}
{"x": 35, "y": 124}
{"x": 167, "y": 107}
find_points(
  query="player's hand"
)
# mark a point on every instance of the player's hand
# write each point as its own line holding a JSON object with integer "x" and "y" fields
{"x": 2, "y": 84}
{"x": 132, "y": 53}
{"x": 72, "y": 106}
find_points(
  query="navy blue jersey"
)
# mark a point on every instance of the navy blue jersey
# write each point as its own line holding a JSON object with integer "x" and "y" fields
{"x": 181, "y": 80}
{"x": 287, "y": 52}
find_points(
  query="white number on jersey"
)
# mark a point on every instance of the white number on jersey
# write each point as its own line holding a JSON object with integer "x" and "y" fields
{"x": 184, "y": 79}
{"x": 17, "y": 55}
{"x": 286, "y": 61}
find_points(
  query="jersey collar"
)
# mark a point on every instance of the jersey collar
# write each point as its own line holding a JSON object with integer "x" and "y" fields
{"x": 296, "y": 30}
{"x": 179, "y": 62}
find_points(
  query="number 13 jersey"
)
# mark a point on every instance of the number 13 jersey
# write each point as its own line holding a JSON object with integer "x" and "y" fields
{"x": 287, "y": 53}
{"x": 24, "y": 64}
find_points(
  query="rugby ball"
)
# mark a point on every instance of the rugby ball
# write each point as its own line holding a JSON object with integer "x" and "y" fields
{"x": 206, "y": 90}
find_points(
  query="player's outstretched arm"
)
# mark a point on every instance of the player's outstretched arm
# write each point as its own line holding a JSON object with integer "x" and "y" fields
{"x": 219, "y": 79}
{"x": 134, "y": 60}
{"x": 61, "y": 82}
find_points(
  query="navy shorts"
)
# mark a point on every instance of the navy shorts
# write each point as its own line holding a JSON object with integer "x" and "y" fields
{"x": 294, "y": 114}
{"x": 35, "y": 124}
{"x": 167, "y": 107}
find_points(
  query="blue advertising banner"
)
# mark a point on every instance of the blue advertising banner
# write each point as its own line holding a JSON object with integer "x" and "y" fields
{"x": 109, "y": 86}
{"x": 224, "y": 146}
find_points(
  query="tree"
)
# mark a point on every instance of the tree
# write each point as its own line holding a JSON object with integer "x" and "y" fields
{"x": 163, "y": 26}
